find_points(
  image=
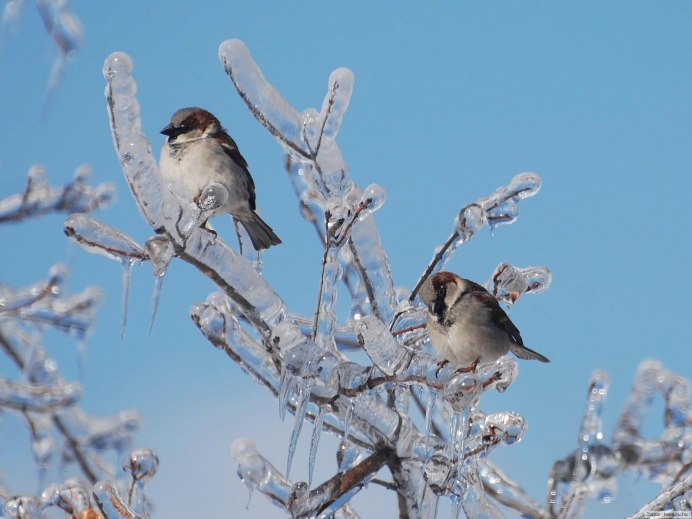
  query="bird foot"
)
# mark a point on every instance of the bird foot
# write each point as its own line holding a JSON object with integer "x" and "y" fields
{"x": 469, "y": 369}
{"x": 496, "y": 376}
{"x": 441, "y": 364}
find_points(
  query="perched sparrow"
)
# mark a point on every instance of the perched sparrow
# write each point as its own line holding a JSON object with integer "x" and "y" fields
{"x": 198, "y": 152}
{"x": 466, "y": 323}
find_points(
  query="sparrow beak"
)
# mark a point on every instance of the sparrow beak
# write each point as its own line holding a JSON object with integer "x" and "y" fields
{"x": 168, "y": 130}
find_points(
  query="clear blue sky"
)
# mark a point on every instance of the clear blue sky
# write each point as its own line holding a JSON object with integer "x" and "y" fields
{"x": 452, "y": 99}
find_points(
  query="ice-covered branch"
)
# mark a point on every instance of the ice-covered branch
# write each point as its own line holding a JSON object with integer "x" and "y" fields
{"x": 39, "y": 198}
{"x": 45, "y": 303}
{"x": 37, "y": 399}
{"x": 43, "y": 397}
{"x": 309, "y": 139}
{"x": 591, "y": 470}
{"x": 498, "y": 209}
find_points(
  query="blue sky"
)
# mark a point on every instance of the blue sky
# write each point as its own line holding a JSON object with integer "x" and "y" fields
{"x": 451, "y": 100}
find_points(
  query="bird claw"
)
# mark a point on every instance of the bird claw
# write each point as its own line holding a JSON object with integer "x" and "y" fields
{"x": 441, "y": 364}
{"x": 471, "y": 368}
{"x": 494, "y": 378}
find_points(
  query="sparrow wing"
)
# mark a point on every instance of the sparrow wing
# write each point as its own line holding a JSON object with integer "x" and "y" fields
{"x": 231, "y": 149}
{"x": 497, "y": 314}
{"x": 503, "y": 322}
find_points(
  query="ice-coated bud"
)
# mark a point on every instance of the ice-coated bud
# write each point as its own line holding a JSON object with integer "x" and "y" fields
{"x": 160, "y": 251}
{"x": 213, "y": 196}
{"x": 37, "y": 176}
{"x": 511, "y": 427}
{"x": 82, "y": 174}
{"x": 338, "y": 212}
{"x": 437, "y": 471}
{"x": 210, "y": 321}
{"x": 325, "y": 375}
{"x": 510, "y": 282}
{"x": 524, "y": 185}
{"x": 471, "y": 219}
{"x": 58, "y": 276}
{"x": 251, "y": 467}
{"x": 352, "y": 375}
{"x": 142, "y": 464}
{"x": 298, "y": 499}
{"x": 117, "y": 66}
{"x": 373, "y": 198}
{"x": 336, "y": 101}
{"x": 382, "y": 348}
{"x": 508, "y": 370}
{"x": 346, "y": 456}
{"x": 312, "y": 126}
{"x": 22, "y": 507}
{"x": 297, "y": 357}
{"x": 134, "y": 149}
{"x": 73, "y": 497}
{"x": 462, "y": 391}
{"x": 111, "y": 502}
{"x": 51, "y": 496}
{"x": 505, "y": 212}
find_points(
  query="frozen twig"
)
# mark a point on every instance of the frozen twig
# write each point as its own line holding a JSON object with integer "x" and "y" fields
{"x": 39, "y": 198}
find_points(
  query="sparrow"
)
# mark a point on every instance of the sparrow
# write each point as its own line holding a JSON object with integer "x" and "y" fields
{"x": 199, "y": 152}
{"x": 466, "y": 323}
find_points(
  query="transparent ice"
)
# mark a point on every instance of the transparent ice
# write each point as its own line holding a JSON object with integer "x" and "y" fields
{"x": 366, "y": 377}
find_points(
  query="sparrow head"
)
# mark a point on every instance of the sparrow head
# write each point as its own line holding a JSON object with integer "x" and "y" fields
{"x": 440, "y": 291}
{"x": 189, "y": 124}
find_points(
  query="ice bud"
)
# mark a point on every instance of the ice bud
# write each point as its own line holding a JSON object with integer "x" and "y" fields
{"x": 373, "y": 198}
{"x": 212, "y": 197}
{"x": 142, "y": 464}
{"x": 524, "y": 185}
{"x": 118, "y": 65}
{"x": 462, "y": 391}
{"x": 511, "y": 427}
{"x": 471, "y": 219}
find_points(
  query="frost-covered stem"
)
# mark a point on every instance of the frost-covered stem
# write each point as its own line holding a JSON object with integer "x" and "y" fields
{"x": 296, "y": 132}
{"x": 325, "y": 319}
{"x": 83, "y": 241}
{"x": 665, "y": 498}
{"x": 491, "y": 211}
{"x": 324, "y": 495}
{"x": 440, "y": 253}
{"x": 507, "y": 492}
{"x": 74, "y": 446}
{"x": 39, "y": 198}
{"x": 70, "y": 441}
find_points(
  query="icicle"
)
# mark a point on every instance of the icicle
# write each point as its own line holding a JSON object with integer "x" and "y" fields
{"x": 160, "y": 251}
{"x": 285, "y": 388}
{"x": 303, "y": 400}
{"x": 127, "y": 272}
{"x": 429, "y": 412}
{"x": 347, "y": 420}
{"x": 314, "y": 442}
{"x": 142, "y": 465}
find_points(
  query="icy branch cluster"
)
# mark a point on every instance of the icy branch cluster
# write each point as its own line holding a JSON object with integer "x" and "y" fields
{"x": 61, "y": 25}
{"x": 60, "y": 432}
{"x": 401, "y": 410}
